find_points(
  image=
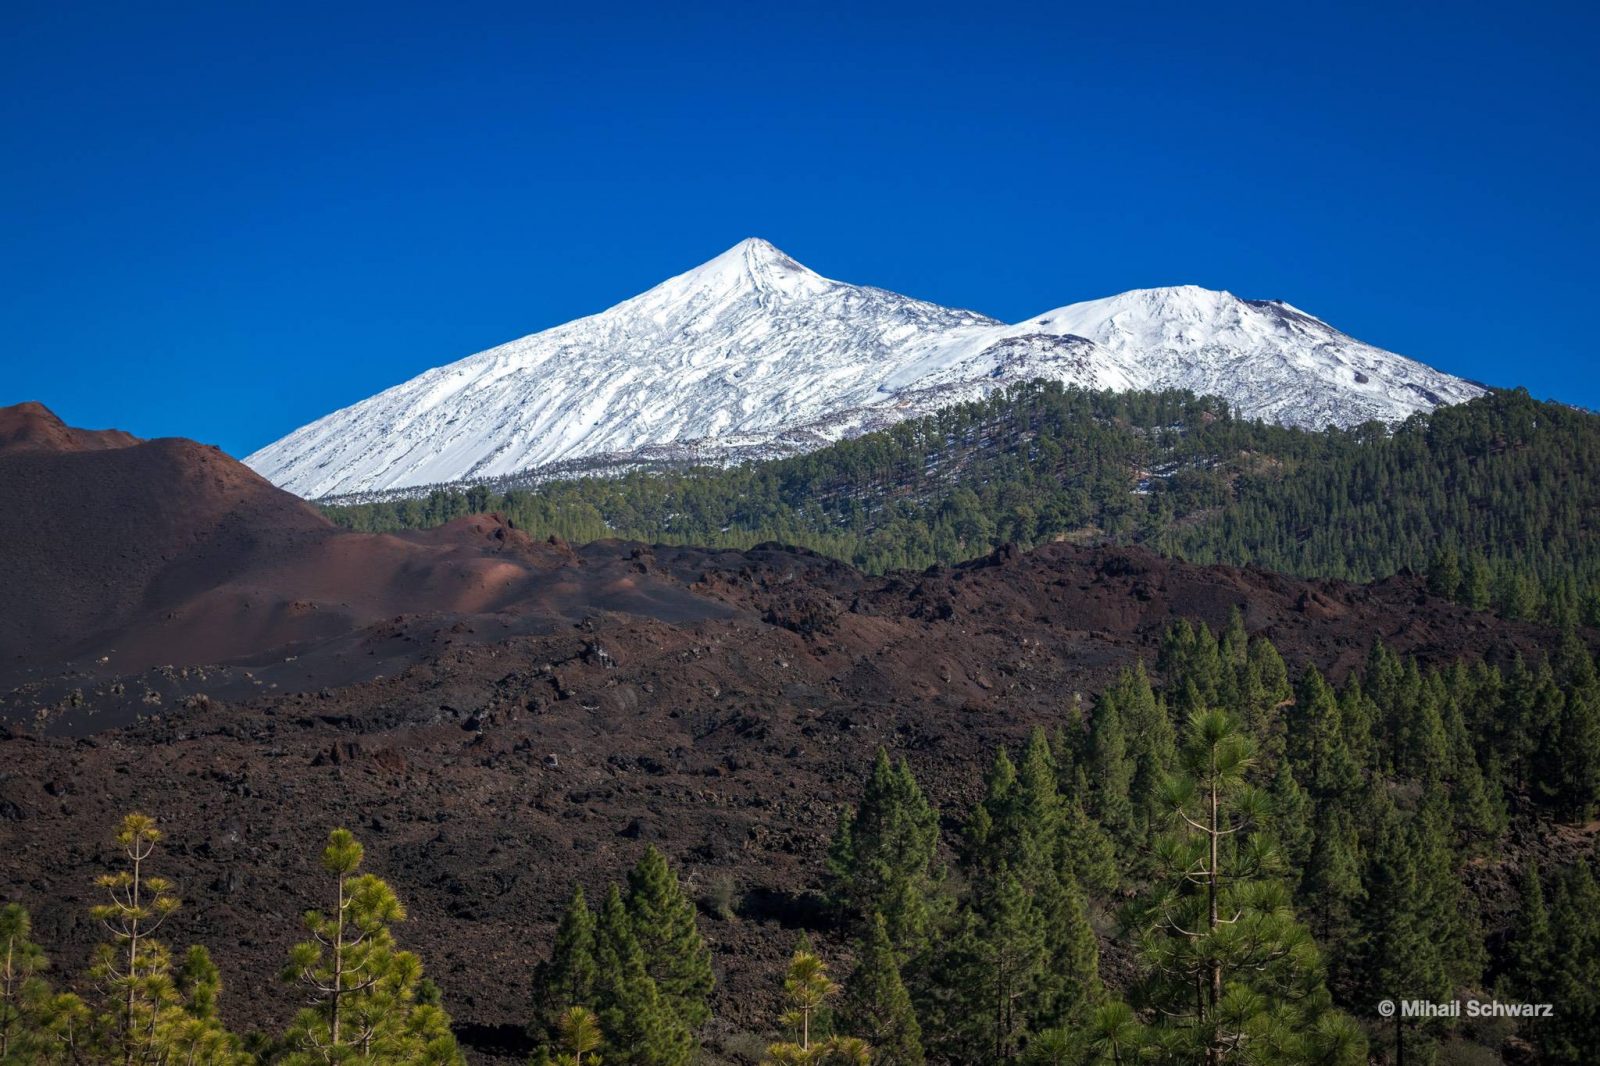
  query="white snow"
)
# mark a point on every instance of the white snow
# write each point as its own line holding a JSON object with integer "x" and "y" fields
{"x": 752, "y": 354}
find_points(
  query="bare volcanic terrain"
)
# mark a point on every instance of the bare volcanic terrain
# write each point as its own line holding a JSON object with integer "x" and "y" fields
{"x": 123, "y": 554}
{"x": 499, "y": 718}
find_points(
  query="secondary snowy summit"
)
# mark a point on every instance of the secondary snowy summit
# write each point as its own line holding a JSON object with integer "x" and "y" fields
{"x": 752, "y": 354}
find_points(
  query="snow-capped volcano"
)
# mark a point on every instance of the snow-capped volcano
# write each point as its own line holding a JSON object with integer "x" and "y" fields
{"x": 1271, "y": 360}
{"x": 752, "y": 354}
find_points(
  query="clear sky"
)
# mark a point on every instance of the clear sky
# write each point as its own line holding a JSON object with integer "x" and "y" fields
{"x": 224, "y": 220}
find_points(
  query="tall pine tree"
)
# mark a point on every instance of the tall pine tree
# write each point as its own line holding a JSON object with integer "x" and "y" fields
{"x": 1229, "y": 967}
{"x": 1111, "y": 775}
{"x": 876, "y": 1006}
{"x": 675, "y": 955}
{"x": 882, "y": 854}
{"x": 567, "y": 978}
{"x": 365, "y": 992}
{"x": 640, "y": 1026}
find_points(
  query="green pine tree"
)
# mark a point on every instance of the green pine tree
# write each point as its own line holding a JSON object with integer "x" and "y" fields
{"x": 1475, "y": 583}
{"x": 1115, "y": 1035}
{"x": 1316, "y": 741}
{"x": 1446, "y": 907}
{"x": 1028, "y": 834}
{"x": 366, "y": 997}
{"x": 1264, "y": 691}
{"x": 640, "y": 1027}
{"x": 567, "y": 978}
{"x": 882, "y": 854}
{"x": 60, "y": 1030}
{"x": 1229, "y": 967}
{"x": 1331, "y": 887}
{"x": 1012, "y": 950}
{"x": 134, "y": 968}
{"x": 1570, "y": 752}
{"x": 1086, "y": 852}
{"x": 1401, "y": 956}
{"x": 1148, "y": 731}
{"x": 578, "y": 1033}
{"x": 155, "y": 1012}
{"x": 1573, "y": 987}
{"x": 1478, "y": 815}
{"x": 195, "y": 1035}
{"x": 1444, "y": 573}
{"x": 876, "y": 1006}
{"x": 807, "y": 988}
{"x": 1532, "y": 949}
{"x": 950, "y": 991}
{"x": 1053, "y": 1047}
{"x": 985, "y": 839}
{"x": 22, "y": 962}
{"x": 1290, "y": 810}
{"x": 1111, "y": 775}
{"x": 1069, "y": 984}
{"x": 1358, "y": 716}
{"x": 676, "y": 956}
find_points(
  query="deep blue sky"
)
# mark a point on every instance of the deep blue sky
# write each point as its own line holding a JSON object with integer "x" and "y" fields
{"x": 224, "y": 220}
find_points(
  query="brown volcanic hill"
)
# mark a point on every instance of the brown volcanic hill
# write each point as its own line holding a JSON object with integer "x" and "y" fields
{"x": 97, "y": 534}
{"x": 170, "y": 552}
{"x": 33, "y": 426}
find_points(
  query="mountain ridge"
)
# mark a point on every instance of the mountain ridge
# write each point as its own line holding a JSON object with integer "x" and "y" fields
{"x": 753, "y": 355}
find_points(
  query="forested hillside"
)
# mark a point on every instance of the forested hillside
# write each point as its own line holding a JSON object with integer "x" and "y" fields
{"x": 1496, "y": 499}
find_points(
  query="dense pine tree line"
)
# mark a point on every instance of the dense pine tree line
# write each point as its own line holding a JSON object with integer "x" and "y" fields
{"x": 1495, "y": 499}
{"x": 1293, "y": 852}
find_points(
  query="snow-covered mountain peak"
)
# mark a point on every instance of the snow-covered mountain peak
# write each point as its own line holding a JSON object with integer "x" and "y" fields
{"x": 751, "y": 354}
{"x": 751, "y": 266}
{"x": 1273, "y": 360}
{"x": 1185, "y": 322}
{"x": 1142, "y": 315}
{"x": 748, "y": 345}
